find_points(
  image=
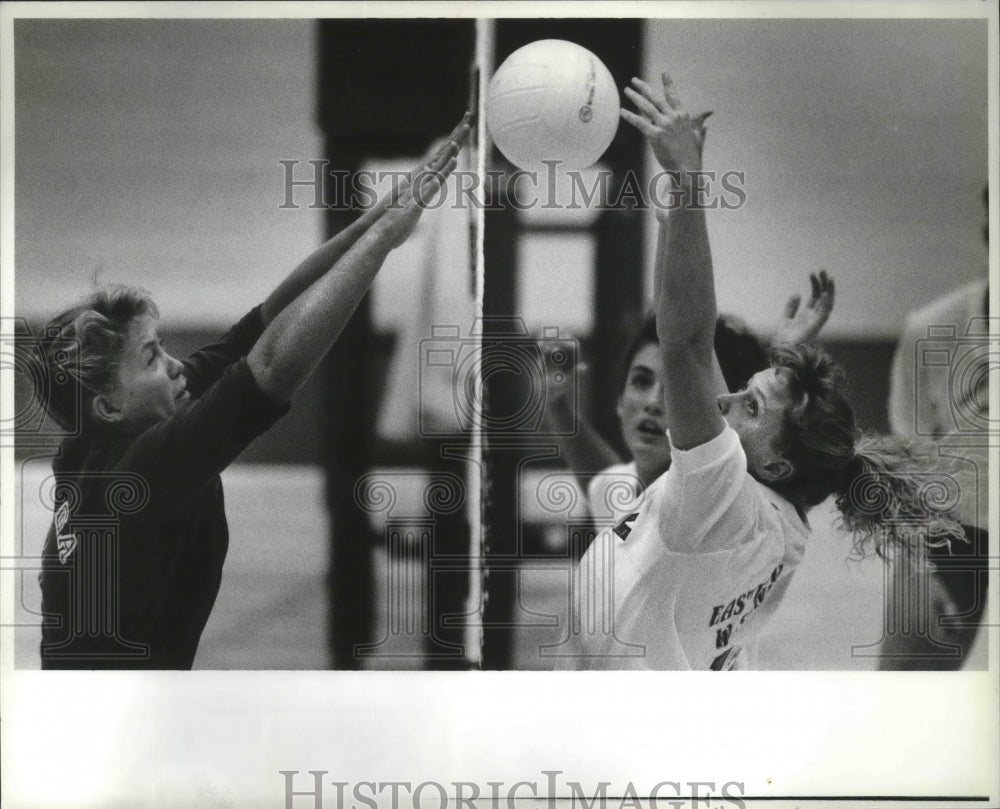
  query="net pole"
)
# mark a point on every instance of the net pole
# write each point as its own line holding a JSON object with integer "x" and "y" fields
{"x": 477, "y": 485}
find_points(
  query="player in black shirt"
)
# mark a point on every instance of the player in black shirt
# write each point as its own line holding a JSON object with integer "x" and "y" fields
{"x": 133, "y": 561}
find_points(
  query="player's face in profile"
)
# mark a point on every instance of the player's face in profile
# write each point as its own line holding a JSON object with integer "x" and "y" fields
{"x": 757, "y": 414}
{"x": 640, "y": 410}
{"x": 150, "y": 383}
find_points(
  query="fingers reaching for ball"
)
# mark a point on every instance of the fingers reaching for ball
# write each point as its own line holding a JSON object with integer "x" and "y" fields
{"x": 645, "y": 100}
{"x": 418, "y": 189}
{"x": 670, "y": 92}
{"x": 442, "y": 163}
{"x": 699, "y": 124}
{"x": 434, "y": 162}
{"x": 676, "y": 138}
{"x": 429, "y": 182}
{"x": 456, "y": 139}
{"x": 440, "y": 154}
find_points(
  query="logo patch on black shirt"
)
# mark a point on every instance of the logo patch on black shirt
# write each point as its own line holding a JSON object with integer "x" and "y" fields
{"x": 623, "y": 529}
{"x": 65, "y": 542}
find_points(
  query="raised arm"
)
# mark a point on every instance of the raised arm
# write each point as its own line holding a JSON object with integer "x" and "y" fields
{"x": 305, "y": 329}
{"x": 324, "y": 257}
{"x": 685, "y": 286}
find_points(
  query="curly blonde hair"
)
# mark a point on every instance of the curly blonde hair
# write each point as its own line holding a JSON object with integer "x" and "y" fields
{"x": 80, "y": 351}
{"x": 890, "y": 492}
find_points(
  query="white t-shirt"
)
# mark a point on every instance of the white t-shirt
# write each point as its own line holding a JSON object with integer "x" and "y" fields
{"x": 613, "y": 493}
{"x": 689, "y": 579}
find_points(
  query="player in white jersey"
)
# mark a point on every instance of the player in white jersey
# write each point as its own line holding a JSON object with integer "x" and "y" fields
{"x": 613, "y": 491}
{"x": 688, "y": 581}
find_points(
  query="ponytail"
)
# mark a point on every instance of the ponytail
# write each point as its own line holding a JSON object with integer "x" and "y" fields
{"x": 892, "y": 493}
{"x": 900, "y": 496}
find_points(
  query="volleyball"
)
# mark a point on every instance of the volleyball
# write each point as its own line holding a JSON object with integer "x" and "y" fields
{"x": 552, "y": 100}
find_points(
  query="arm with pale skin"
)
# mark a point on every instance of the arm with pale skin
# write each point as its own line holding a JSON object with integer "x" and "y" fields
{"x": 305, "y": 328}
{"x": 585, "y": 451}
{"x": 323, "y": 258}
{"x": 685, "y": 287}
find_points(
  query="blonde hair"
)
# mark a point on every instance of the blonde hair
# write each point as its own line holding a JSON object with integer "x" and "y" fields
{"x": 890, "y": 492}
{"x": 899, "y": 493}
{"x": 80, "y": 351}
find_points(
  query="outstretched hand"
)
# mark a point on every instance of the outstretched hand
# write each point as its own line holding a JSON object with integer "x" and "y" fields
{"x": 676, "y": 138}
{"x": 800, "y": 324}
{"x": 401, "y": 211}
{"x": 437, "y": 157}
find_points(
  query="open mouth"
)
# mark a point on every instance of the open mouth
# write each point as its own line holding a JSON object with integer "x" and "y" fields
{"x": 650, "y": 428}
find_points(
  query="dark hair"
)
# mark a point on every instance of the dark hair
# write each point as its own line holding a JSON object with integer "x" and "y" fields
{"x": 645, "y": 334}
{"x": 81, "y": 348}
{"x": 741, "y": 354}
{"x": 887, "y": 489}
